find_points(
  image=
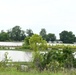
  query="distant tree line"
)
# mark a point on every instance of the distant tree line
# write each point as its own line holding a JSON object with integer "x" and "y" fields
{"x": 17, "y": 34}
{"x": 14, "y": 34}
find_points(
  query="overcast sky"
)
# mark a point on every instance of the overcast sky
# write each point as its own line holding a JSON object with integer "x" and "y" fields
{"x": 53, "y": 15}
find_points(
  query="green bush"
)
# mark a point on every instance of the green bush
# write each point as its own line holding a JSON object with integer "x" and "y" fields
{"x": 55, "y": 60}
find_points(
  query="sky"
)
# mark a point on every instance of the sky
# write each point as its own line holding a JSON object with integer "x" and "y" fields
{"x": 53, "y": 15}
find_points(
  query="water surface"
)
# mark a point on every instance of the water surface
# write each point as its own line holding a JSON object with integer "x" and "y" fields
{"x": 16, "y": 56}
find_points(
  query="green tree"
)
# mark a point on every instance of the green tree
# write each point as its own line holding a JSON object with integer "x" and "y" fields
{"x": 22, "y": 35}
{"x": 29, "y": 32}
{"x": 4, "y": 36}
{"x": 37, "y": 42}
{"x": 67, "y": 37}
{"x": 50, "y": 37}
{"x": 26, "y": 43}
{"x": 16, "y": 34}
{"x": 43, "y": 33}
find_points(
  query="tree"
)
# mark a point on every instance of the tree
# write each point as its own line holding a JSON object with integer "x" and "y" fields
{"x": 4, "y": 36}
{"x": 26, "y": 43}
{"x": 29, "y": 32}
{"x": 43, "y": 33}
{"x": 36, "y": 42}
{"x": 67, "y": 37}
{"x": 51, "y": 37}
{"x": 22, "y": 35}
{"x": 16, "y": 34}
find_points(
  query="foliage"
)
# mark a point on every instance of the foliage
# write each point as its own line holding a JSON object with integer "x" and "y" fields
{"x": 29, "y": 32}
{"x": 68, "y": 58}
{"x": 26, "y": 44}
{"x": 37, "y": 42}
{"x": 16, "y": 34}
{"x": 43, "y": 33}
{"x": 55, "y": 60}
{"x": 4, "y": 64}
{"x": 67, "y": 37}
{"x": 4, "y": 36}
{"x": 50, "y": 37}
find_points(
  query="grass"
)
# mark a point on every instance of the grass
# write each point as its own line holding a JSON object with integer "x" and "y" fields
{"x": 28, "y": 73}
{"x": 35, "y": 73}
{"x": 14, "y": 71}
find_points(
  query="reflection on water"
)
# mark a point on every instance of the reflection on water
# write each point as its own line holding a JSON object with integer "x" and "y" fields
{"x": 16, "y": 56}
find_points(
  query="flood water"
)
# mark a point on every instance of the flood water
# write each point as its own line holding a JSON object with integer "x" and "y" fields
{"x": 16, "y": 56}
{"x": 19, "y": 56}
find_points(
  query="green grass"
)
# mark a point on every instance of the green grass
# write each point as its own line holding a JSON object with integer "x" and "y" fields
{"x": 28, "y": 73}
{"x": 34, "y": 73}
{"x": 14, "y": 71}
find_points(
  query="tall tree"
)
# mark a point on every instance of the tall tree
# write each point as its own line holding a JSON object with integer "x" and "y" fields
{"x": 51, "y": 37}
{"x": 29, "y": 32}
{"x": 43, "y": 33}
{"x": 67, "y": 37}
{"x": 16, "y": 34}
{"x": 22, "y": 35}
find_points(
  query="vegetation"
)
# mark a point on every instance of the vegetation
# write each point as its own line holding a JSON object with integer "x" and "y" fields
{"x": 56, "y": 58}
{"x": 29, "y": 32}
{"x": 4, "y": 36}
{"x": 35, "y": 73}
{"x": 52, "y": 62}
{"x": 47, "y": 59}
{"x": 26, "y": 44}
{"x": 50, "y": 37}
{"x": 17, "y": 34}
{"x": 43, "y": 33}
{"x": 37, "y": 43}
{"x": 67, "y": 37}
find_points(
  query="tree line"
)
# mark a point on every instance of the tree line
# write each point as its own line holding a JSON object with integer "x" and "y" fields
{"x": 17, "y": 34}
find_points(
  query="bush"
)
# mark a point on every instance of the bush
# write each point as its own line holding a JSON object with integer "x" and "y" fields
{"x": 55, "y": 60}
